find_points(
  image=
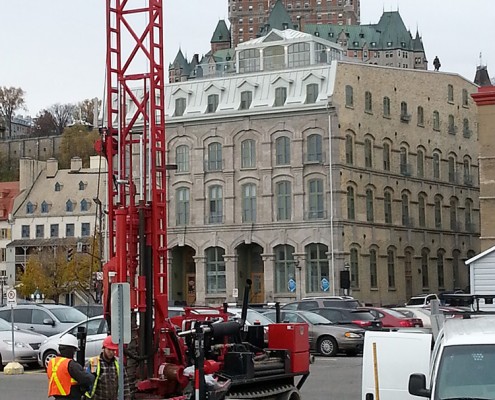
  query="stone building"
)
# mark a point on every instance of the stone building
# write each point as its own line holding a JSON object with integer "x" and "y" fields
{"x": 288, "y": 175}
{"x": 55, "y": 209}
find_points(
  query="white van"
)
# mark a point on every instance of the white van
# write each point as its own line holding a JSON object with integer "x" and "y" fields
{"x": 462, "y": 362}
{"x": 461, "y": 366}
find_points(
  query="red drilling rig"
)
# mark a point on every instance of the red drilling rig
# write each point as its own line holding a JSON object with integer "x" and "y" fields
{"x": 133, "y": 143}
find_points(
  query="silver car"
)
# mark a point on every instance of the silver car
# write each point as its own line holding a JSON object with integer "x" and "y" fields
{"x": 96, "y": 329}
{"x": 26, "y": 345}
{"x": 47, "y": 319}
{"x": 325, "y": 337}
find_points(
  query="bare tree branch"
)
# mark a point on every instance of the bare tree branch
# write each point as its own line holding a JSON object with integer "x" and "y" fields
{"x": 62, "y": 115}
{"x": 11, "y": 99}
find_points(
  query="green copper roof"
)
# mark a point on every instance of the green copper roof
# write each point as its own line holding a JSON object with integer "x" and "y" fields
{"x": 279, "y": 19}
{"x": 389, "y": 33}
{"x": 221, "y": 34}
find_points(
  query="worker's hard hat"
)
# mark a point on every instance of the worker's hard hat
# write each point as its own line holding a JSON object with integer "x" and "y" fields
{"x": 108, "y": 344}
{"x": 68, "y": 340}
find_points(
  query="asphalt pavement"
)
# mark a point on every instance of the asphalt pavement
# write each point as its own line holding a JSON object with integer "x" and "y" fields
{"x": 330, "y": 378}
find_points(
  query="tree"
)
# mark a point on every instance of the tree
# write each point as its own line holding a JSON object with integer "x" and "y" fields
{"x": 9, "y": 170}
{"x": 54, "y": 275}
{"x": 84, "y": 111}
{"x": 44, "y": 124}
{"x": 11, "y": 99}
{"x": 77, "y": 140}
{"x": 62, "y": 115}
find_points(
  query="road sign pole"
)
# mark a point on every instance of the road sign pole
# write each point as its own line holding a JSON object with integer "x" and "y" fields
{"x": 13, "y": 342}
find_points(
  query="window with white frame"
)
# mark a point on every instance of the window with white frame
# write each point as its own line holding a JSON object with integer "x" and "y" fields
{"x": 285, "y": 278}
{"x": 182, "y": 206}
{"x": 284, "y": 200}
{"x": 215, "y": 270}
{"x": 311, "y": 93}
{"x": 215, "y": 199}
{"x": 317, "y": 275}
{"x": 249, "y": 202}
{"x": 213, "y": 100}
{"x": 280, "y": 96}
{"x": 182, "y": 158}
{"x": 282, "y": 151}
{"x": 246, "y": 99}
{"x": 315, "y": 199}
{"x": 180, "y": 106}
{"x": 248, "y": 153}
{"x": 214, "y": 162}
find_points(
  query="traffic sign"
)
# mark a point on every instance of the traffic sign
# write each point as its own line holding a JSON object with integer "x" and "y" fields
{"x": 12, "y": 297}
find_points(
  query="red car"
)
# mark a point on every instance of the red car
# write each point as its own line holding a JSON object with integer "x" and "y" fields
{"x": 393, "y": 319}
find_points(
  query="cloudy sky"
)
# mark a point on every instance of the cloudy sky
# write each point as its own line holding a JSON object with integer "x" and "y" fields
{"x": 55, "y": 49}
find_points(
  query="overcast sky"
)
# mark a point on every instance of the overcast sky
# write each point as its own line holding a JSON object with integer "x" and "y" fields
{"x": 55, "y": 49}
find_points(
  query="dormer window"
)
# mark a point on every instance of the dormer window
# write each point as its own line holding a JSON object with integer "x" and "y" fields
{"x": 69, "y": 206}
{"x": 29, "y": 208}
{"x": 389, "y": 44}
{"x": 330, "y": 34}
{"x": 58, "y": 187}
{"x": 82, "y": 185}
{"x": 355, "y": 43}
{"x": 44, "y": 207}
{"x": 84, "y": 205}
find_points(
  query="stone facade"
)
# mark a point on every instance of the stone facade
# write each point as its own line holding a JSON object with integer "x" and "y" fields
{"x": 264, "y": 192}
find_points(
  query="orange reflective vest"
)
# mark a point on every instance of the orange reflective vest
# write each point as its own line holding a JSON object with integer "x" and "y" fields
{"x": 59, "y": 379}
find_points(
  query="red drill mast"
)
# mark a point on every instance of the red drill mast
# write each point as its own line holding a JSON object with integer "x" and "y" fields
{"x": 134, "y": 145}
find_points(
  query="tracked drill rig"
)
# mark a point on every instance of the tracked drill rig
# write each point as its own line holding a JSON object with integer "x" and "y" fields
{"x": 224, "y": 363}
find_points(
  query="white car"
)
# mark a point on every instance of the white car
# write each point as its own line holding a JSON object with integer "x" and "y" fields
{"x": 96, "y": 329}
{"x": 26, "y": 346}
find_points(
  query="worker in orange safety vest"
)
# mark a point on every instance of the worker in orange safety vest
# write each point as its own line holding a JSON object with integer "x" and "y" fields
{"x": 66, "y": 378}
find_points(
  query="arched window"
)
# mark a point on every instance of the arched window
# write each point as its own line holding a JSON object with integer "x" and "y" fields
{"x": 284, "y": 200}
{"x": 422, "y": 210}
{"x": 368, "y": 153}
{"x": 182, "y": 158}
{"x": 386, "y": 156}
{"x": 182, "y": 206}
{"x": 29, "y": 208}
{"x": 215, "y": 270}
{"x": 318, "y": 278}
{"x": 386, "y": 107}
{"x": 249, "y": 202}
{"x": 82, "y": 185}
{"x": 468, "y": 218}
{"x": 436, "y": 121}
{"x": 373, "y": 270}
{"x": 84, "y": 205}
{"x": 391, "y": 268}
{"x": 285, "y": 278}
{"x": 436, "y": 165}
{"x": 421, "y": 116}
{"x": 368, "y": 102}
{"x": 420, "y": 161}
{"x": 354, "y": 268}
{"x": 215, "y": 204}
{"x": 58, "y": 187}
{"x": 215, "y": 161}
{"x": 387, "y": 205}
{"x": 440, "y": 270}
{"x": 451, "y": 127}
{"x": 349, "y": 96}
{"x": 349, "y": 150}
{"x": 248, "y": 153}
{"x": 406, "y": 220}
{"x": 468, "y": 179}
{"x": 425, "y": 269}
{"x": 454, "y": 225}
{"x": 282, "y": 150}
{"x": 452, "y": 169}
{"x": 370, "y": 215}
{"x": 315, "y": 199}
{"x": 438, "y": 212}
{"x": 351, "y": 212}
{"x": 314, "y": 147}
{"x": 44, "y": 207}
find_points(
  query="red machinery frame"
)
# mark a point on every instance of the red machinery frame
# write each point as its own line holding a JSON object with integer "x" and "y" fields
{"x": 137, "y": 225}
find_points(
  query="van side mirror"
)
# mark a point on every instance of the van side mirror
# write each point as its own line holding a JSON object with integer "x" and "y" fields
{"x": 417, "y": 386}
{"x": 48, "y": 321}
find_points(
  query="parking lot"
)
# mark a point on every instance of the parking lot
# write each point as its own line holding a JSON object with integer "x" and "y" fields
{"x": 331, "y": 378}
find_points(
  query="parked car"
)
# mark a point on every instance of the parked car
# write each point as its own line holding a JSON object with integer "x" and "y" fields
{"x": 394, "y": 319}
{"x": 309, "y": 303}
{"x": 27, "y": 345}
{"x": 90, "y": 310}
{"x": 47, "y": 319}
{"x": 96, "y": 329}
{"x": 421, "y": 300}
{"x": 416, "y": 312}
{"x": 325, "y": 337}
{"x": 349, "y": 316}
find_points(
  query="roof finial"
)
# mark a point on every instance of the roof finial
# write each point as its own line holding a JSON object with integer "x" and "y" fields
{"x": 481, "y": 59}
